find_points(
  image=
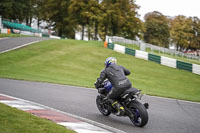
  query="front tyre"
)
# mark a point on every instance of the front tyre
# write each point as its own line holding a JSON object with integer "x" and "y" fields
{"x": 140, "y": 118}
{"x": 101, "y": 106}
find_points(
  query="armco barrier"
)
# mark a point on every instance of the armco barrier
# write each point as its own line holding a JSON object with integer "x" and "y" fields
{"x": 170, "y": 62}
{"x": 154, "y": 58}
{"x": 184, "y": 65}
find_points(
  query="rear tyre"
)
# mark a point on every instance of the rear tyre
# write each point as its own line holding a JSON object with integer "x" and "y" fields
{"x": 140, "y": 118}
{"x": 102, "y": 107}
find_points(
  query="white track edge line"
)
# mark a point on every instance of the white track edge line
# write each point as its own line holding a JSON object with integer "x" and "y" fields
{"x": 18, "y": 47}
{"x": 3, "y": 38}
{"x": 72, "y": 115}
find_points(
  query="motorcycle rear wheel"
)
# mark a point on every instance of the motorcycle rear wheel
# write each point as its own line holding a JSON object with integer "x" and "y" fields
{"x": 102, "y": 108}
{"x": 140, "y": 113}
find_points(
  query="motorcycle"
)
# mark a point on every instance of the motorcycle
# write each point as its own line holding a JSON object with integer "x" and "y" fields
{"x": 134, "y": 109}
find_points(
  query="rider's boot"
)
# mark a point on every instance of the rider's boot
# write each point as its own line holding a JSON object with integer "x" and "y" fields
{"x": 120, "y": 109}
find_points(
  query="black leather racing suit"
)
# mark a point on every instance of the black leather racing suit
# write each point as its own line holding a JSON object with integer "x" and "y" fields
{"x": 117, "y": 76}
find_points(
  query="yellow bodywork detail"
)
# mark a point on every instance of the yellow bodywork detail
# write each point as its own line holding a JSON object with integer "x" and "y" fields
{"x": 114, "y": 103}
{"x": 122, "y": 108}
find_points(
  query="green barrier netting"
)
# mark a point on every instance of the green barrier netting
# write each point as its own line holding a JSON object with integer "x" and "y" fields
{"x": 19, "y": 27}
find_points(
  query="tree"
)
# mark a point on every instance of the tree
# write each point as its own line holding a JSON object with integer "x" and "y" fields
{"x": 195, "y": 40}
{"x": 156, "y": 29}
{"x": 181, "y": 32}
{"x": 119, "y": 18}
{"x": 94, "y": 16}
{"x": 132, "y": 26}
{"x": 55, "y": 12}
{"x": 20, "y": 10}
{"x": 79, "y": 13}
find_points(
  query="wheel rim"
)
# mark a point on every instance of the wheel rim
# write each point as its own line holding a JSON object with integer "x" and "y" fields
{"x": 101, "y": 107}
{"x": 137, "y": 120}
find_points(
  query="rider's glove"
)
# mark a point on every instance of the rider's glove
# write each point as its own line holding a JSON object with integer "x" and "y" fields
{"x": 96, "y": 84}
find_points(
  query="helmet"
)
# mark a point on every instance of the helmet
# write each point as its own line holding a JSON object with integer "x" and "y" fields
{"x": 110, "y": 60}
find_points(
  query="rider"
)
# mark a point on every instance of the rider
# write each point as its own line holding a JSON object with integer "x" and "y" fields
{"x": 117, "y": 76}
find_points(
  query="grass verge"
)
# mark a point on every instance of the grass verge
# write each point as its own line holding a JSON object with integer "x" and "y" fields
{"x": 79, "y": 63}
{"x": 12, "y": 35}
{"x": 15, "y": 121}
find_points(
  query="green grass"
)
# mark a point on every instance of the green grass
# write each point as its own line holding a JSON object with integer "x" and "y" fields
{"x": 79, "y": 63}
{"x": 12, "y": 35}
{"x": 15, "y": 121}
{"x": 132, "y": 46}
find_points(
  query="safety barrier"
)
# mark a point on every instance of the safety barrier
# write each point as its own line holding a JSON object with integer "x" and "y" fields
{"x": 152, "y": 47}
{"x": 130, "y": 51}
{"x": 141, "y": 54}
{"x": 196, "y": 69}
{"x": 170, "y": 62}
{"x": 184, "y": 65}
{"x": 5, "y": 31}
{"x": 110, "y": 46}
{"x": 119, "y": 48}
{"x": 154, "y": 58}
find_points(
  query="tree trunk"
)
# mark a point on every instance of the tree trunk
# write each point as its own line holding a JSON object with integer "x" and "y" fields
{"x": 96, "y": 31}
{"x": 30, "y": 20}
{"x": 83, "y": 31}
{"x": 89, "y": 33}
{"x": 38, "y": 23}
{"x": 106, "y": 32}
{"x": 27, "y": 20}
{"x": 60, "y": 32}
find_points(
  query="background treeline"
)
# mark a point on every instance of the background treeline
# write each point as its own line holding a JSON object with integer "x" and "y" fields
{"x": 106, "y": 17}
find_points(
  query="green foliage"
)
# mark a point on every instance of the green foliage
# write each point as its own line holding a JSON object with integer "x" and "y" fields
{"x": 181, "y": 31}
{"x": 56, "y": 13}
{"x": 120, "y": 19}
{"x": 18, "y": 10}
{"x": 195, "y": 41}
{"x": 156, "y": 29}
{"x": 108, "y": 17}
{"x": 185, "y": 32}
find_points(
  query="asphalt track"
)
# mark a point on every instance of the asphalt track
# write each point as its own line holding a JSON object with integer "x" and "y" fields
{"x": 165, "y": 115}
{"x": 13, "y": 42}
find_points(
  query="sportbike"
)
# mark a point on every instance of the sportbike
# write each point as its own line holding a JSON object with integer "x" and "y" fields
{"x": 129, "y": 100}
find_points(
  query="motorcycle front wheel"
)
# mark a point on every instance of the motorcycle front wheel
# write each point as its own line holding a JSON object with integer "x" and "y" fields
{"x": 102, "y": 107}
{"x": 140, "y": 118}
